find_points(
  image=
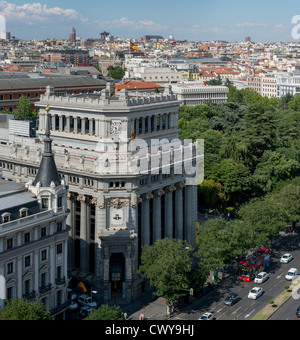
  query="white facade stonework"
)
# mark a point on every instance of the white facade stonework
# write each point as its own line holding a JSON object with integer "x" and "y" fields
{"x": 119, "y": 198}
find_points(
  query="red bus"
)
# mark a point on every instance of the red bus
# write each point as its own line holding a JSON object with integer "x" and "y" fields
{"x": 254, "y": 264}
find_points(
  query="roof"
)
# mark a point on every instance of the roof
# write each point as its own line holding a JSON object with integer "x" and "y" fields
{"x": 136, "y": 85}
{"x": 47, "y": 173}
{"x": 54, "y": 81}
{"x": 14, "y": 195}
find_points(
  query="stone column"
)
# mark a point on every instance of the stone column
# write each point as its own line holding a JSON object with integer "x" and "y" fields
{"x": 146, "y": 219}
{"x": 91, "y": 126}
{"x": 188, "y": 214}
{"x": 68, "y": 126}
{"x": 157, "y": 214}
{"x": 179, "y": 211}
{"x": 82, "y": 125}
{"x": 71, "y": 222}
{"x": 169, "y": 211}
{"x": 84, "y": 258}
{"x": 76, "y": 124}
{"x": 53, "y": 122}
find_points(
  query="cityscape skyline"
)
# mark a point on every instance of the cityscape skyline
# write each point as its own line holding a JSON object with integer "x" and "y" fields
{"x": 199, "y": 20}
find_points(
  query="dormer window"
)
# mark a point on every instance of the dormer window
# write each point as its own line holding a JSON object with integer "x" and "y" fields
{"x": 23, "y": 212}
{"x": 45, "y": 203}
{"x": 5, "y": 217}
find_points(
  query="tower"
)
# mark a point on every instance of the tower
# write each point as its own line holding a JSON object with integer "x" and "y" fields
{"x": 48, "y": 186}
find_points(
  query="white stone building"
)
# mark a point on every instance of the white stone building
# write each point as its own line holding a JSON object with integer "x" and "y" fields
{"x": 120, "y": 199}
{"x": 34, "y": 238}
{"x": 155, "y": 74}
{"x": 288, "y": 83}
{"x": 197, "y": 94}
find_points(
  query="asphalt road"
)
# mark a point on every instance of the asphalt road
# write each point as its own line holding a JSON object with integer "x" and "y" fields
{"x": 246, "y": 309}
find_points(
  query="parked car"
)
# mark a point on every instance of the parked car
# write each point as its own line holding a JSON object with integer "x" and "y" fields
{"x": 298, "y": 312}
{"x": 261, "y": 277}
{"x": 292, "y": 273}
{"x": 86, "y": 300}
{"x": 207, "y": 316}
{"x": 255, "y": 293}
{"x": 232, "y": 299}
{"x": 286, "y": 258}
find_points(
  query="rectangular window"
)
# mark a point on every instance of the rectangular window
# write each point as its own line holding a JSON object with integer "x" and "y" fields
{"x": 10, "y": 268}
{"x": 9, "y": 243}
{"x": 27, "y": 237}
{"x": 45, "y": 203}
{"x": 59, "y": 248}
{"x": 27, "y": 261}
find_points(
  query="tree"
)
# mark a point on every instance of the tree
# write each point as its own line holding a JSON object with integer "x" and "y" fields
{"x": 116, "y": 72}
{"x": 106, "y": 312}
{"x": 20, "y": 309}
{"x": 168, "y": 266}
{"x": 24, "y": 109}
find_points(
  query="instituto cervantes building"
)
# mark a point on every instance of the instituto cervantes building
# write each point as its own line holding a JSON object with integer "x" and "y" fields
{"x": 131, "y": 181}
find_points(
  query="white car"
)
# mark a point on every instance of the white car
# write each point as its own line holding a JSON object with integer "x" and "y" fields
{"x": 255, "y": 293}
{"x": 86, "y": 300}
{"x": 292, "y": 273}
{"x": 261, "y": 277}
{"x": 207, "y": 316}
{"x": 286, "y": 258}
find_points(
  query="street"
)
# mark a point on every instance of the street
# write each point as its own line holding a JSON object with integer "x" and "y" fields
{"x": 246, "y": 309}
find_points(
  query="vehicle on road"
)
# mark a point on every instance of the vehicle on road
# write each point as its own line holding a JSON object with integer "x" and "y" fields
{"x": 255, "y": 293}
{"x": 86, "y": 300}
{"x": 298, "y": 312}
{"x": 257, "y": 262}
{"x": 232, "y": 299}
{"x": 286, "y": 258}
{"x": 292, "y": 273}
{"x": 261, "y": 277}
{"x": 207, "y": 316}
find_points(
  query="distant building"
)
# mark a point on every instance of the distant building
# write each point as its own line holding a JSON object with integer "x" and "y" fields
{"x": 264, "y": 84}
{"x": 72, "y": 37}
{"x": 155, "y": 38}
{"x": 193, "y": 94}
{"x": 14, "y": 85}
{"x": 104, "y": 35}
{"x": 288, "y": 83}
{"x": 248, "y": 39}
{"x": 74, "y": 57}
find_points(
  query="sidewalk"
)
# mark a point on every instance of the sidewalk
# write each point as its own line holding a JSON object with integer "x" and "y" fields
{"x": 153, "y": 308}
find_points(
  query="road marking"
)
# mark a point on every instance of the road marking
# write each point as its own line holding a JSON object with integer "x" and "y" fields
{"x": 247, "y": 316}
{"x": 236, "y": 311}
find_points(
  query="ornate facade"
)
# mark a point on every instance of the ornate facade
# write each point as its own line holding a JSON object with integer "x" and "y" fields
{"x": 120, "y": 198}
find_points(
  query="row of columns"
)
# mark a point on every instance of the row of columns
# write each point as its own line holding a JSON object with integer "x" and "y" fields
{"x": 163, "y": 213}
{"x": 177, "y": 216}
{"x": 154, "y": 123}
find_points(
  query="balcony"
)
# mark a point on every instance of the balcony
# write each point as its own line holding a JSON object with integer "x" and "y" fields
{"x": 45, "y": 289}
{"x": 30, "y": 296}
{"x": 61, "y": 281}
{"x": 61, "y": 308}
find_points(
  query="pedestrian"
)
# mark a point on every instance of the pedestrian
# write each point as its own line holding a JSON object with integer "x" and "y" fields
{"x": 125, "y": 316}
{"x": 142, "y": 316}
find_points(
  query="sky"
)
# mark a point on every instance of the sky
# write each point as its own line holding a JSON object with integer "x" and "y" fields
{"x": 198, "y": 20}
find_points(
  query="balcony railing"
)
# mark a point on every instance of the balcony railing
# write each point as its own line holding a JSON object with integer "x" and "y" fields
{"x": 60, "y": 281}
{"x": 45, "y": 289}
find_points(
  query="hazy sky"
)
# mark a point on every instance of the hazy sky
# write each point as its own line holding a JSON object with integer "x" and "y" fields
{"x": 233, "y": 20}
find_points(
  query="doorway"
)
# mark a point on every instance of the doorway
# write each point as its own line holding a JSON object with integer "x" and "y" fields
{"x": 117, "y": 273}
